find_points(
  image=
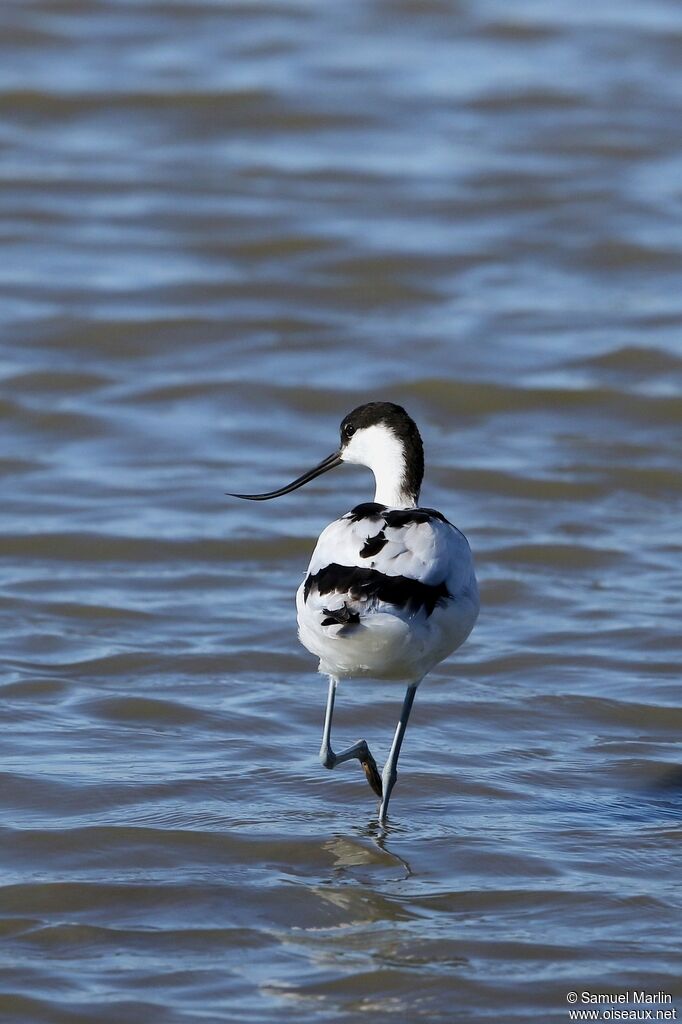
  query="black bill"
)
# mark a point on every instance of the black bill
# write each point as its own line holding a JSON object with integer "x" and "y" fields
{"x": 332, "y": 460}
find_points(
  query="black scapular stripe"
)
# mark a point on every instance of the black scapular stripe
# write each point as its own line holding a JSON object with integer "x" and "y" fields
{"x": 373, "y": 545}
{"x": 360, "y": 583}
{"x": 366, "y": 510}
{"x": 395, "y": 517}
{"x": 398, "y": 517}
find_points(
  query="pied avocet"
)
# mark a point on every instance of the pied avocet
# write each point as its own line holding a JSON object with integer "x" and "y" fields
{"x": 390, "y": 590}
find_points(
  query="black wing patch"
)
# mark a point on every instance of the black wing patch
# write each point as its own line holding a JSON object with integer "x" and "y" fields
{"x": 344, "y": 616}
{"x": 373, "y": 545}
{"x": 360, "y": 583}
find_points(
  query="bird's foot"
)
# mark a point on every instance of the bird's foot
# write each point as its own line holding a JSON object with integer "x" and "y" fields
{"x": 369, "y": 766}
{"x": 329, "y": 759}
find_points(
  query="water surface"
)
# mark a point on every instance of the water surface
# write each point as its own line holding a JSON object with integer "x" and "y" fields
{"x": 224, "y": 226}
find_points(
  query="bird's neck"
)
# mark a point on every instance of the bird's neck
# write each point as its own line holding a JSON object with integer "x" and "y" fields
{"x": 397, "y": 463}
{"x": 395, "y": 485}
{"x": 394, "y": 496}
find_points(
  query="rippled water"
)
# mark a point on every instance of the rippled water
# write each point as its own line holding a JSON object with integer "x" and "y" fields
{"x": 223, "y": 226}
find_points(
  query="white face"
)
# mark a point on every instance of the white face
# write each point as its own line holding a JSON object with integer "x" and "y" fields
{"x": 378, "y": 448}
{"x": 371, "y": 445}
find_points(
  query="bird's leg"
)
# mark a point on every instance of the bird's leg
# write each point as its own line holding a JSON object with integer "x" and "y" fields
{"x": 390, "y": 773}
{"x": 360, "y": 749}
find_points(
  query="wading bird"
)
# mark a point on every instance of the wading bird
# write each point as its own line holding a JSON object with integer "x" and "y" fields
{"x": 390, "y": 590}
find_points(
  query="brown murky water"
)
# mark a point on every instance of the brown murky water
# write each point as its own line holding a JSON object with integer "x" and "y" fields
{"x": 223, "y": 226}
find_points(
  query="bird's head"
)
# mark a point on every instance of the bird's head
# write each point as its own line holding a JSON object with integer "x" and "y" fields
{"x": 383, "y": 437}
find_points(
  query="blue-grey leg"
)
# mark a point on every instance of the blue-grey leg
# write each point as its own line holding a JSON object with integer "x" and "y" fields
{"x": 360, "y": 749}
{"x": 390, "y": 772}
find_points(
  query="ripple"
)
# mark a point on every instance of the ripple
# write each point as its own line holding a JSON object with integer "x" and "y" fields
{"x": 528, "y": 100}
{"x": 564, "y": 556}
{"x": 643, "y": 716}
{"x": 56, "y": 382}
{"x": 632, "y": 359}
{"x": 478, "y": 398}
{"x": 97, "y": 547}
{"x": 145, "y": 710}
